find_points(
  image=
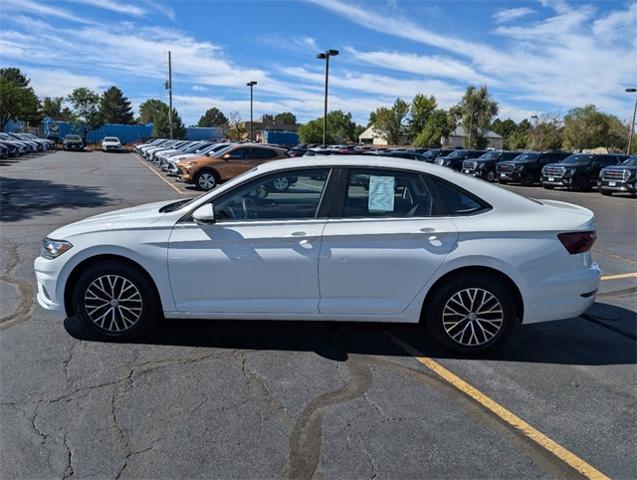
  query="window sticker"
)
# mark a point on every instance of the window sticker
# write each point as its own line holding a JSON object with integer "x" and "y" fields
{"x": 381, "y": 194}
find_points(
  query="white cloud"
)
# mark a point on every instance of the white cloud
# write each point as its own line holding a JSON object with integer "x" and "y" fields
{"x": 57, "y": 82}
{"x": 114, "y": 6}
{"x": 509, "y": 14}
{"x": 617, "y": 24}
{"x": 35, "y": 8}
{"x": 428, "y": 66}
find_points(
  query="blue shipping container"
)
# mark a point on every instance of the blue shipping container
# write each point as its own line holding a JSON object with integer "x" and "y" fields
{"x": 125, "y": 133}
{"x": 287, "y": 139}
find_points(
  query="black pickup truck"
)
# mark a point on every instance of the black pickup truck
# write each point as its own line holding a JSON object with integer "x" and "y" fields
{"x": 526, "y": 167}
{"x": 484, "y": 166}
{"x": 456, "y": 157}
{"x": 73, "y": 142}
{"x": 578, "y": 172}
{"x": 619, "y": 179}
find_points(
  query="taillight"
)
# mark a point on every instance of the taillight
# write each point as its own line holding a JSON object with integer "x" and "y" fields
{"x": 578, "y": 242}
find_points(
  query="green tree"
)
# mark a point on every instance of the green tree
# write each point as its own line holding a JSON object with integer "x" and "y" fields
{"x": 475, "y": 113}
{"x": 617, "y": 134}
{"x": 86, "y": 106}
{"x": 212, "y": 118}
{"x": 340, "y": 129}
{"x": 505, "y": 128}
{"x": 421, "y": 109}
{"x": 547, "y": 134}
{"x": 115, "y": 107}
{"x": 520, "y": 138}
{"x": 236, "y": 129}
{"x": 161, "y": 126}
{"x": 389, "y": 122}
{"x": 17, "y": 99}
{"x": 149, "y": 109}
{"x": 439, "y": 125}
{"x": 285, "y": 118}
{"x": 585, "y": 127}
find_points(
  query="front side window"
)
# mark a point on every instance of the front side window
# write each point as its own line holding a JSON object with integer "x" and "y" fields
{"x": 288, "y": 195}
{"x": 386, "y": 193}
{"x": 237, "y": 154}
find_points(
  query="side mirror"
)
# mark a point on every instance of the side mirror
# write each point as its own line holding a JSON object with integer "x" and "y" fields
{"x": 204, "y": 215}
{"x": 227, "y": 156}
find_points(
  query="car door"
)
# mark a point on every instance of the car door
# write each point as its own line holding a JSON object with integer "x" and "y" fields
{"x": 235, "y": 163}
{"x": 261, "y": 254}
{"x": 384, "y": 243}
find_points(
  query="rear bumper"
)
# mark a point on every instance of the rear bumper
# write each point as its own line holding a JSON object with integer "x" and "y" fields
{"x": 552, "y": 294}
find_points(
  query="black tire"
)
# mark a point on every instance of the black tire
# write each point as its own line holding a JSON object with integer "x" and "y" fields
{"x": 281, "y": 184}
{"x": 126, "y": 310}
{"x": 442, "y": 297}
{"x": 527, "y": 180}
{"x": 579, "y": 184}
{"x": 606, "y": 192}
{"x": 548, "y": 187}
{"x": 490, "y": 176}
{"x": 503, "y": 182}
{"x": 206, "y": 180}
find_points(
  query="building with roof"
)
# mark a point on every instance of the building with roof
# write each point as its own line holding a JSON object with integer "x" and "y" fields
{"x": 457, "y": 138}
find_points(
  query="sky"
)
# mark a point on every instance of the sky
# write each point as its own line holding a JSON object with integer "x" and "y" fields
{"x": 536, "y": 58}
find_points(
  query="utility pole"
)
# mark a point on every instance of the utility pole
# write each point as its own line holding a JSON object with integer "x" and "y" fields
{"x": 170, "y": 94}
{"x": 632, "y": 126}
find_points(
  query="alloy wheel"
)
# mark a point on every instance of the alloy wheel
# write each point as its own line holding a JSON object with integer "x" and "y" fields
{"x": 472, "y": 317}
{"x": 281, "y": 184}
{"x": 113, "y": 303}
{"x": 207, "y": 181}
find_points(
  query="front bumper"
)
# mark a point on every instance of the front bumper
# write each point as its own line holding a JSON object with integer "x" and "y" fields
{"x": 49, "y": 297}
{"x": 511, "y": 176}
{"x": 626, "y": 186}
{"x": 556, "y": 181}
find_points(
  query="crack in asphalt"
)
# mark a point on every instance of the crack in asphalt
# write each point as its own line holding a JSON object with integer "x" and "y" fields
{"x": 24, "y": 290}
{"x": 305, "y": 439}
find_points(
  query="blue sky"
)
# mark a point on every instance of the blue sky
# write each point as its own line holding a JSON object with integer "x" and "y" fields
{"x": 541, "y": 57}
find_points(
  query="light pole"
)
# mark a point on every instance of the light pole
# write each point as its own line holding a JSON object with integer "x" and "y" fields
{"x": 534, "y": 121}
{"x": 326, "y": 56}
{"x": 632, "y": 127}
{"x": 251, "y": 84}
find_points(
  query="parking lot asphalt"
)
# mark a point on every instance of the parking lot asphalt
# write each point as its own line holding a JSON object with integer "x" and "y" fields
{"x": 299, "y": 400}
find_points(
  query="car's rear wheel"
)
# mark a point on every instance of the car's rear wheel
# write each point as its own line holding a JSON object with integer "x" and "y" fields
{"x": 206, "y": 180}
{"x": 608, "y": 193}
{"x": 490, "y": 176}
{"x": 116, "y": 301}
{"x": 471, "y": 313}
{"x": 527, "y": 180}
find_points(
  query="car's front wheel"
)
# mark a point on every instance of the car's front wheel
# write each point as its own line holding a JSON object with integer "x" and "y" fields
{"x": 471, "y": 313}
{"x": 206, "y": 180}
{"x": 116, "y": 301}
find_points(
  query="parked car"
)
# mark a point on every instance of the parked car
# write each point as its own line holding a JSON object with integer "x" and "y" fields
{"x": 454, "y": 159}
{"x": 619, "y": 179}
{"x": 410, "y": 155}
{"x": 484, "y": 166}
{"x": 13, "y": 150}
{"x": 577, "y": 172}
{"x": 111, "y": 144}
{"x": 73, "y": 142}
{"x": 210, "y": 150}
{"x": 526, "y": 168}
{"x": 410, "y": 249}
{"x": 208, "y": 171}
{"x": 21, "y": 147}
{"x": 162, "y": 157}
{"x": 34, "y": 145}
{"x": 430, "y": 155}
{"x": 4, "y": 151}
{"x": 156, "y": 141}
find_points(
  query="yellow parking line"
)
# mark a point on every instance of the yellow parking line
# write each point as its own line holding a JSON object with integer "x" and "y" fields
{"x": 155, "y": 172}
{"x": 620, "y": 276}
{"x": 538, "y": 437}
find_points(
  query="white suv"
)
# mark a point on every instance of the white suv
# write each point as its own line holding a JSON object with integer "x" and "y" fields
{"x": 110, "y": 144}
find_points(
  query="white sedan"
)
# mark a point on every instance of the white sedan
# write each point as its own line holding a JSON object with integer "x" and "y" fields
{"x": 353, "y": 238}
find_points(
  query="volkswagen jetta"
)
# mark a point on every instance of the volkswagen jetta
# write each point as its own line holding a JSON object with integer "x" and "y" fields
{"x": 354, "y": 238}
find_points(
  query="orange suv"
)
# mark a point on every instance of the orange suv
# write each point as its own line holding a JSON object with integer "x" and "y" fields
{"x": 207, "y": 172}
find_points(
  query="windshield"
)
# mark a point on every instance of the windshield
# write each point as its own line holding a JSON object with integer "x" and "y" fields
{"x": 580, "y": 158}
{"x": 489, "y": 155}
{"x": 111, "y": 139}
{"x": 525, "y": 157}
{"x": 73, "y": 137}
{"x": 631, "y": 162}
{"x": 457, "y": 153}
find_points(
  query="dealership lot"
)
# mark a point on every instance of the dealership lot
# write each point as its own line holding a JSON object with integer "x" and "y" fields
{"x": 261, "y": 400}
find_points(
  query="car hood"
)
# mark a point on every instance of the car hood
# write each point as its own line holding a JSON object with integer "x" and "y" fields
{"x": 124, "y": 219}
{"x": 632, "y": 168}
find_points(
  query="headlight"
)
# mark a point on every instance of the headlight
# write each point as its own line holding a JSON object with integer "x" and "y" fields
{"x": 54, "y": 248}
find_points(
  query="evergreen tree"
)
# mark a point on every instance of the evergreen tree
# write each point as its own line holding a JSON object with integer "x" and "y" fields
{"x": 115, "y": 107}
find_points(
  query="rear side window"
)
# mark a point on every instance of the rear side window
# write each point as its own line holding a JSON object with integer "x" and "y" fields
{"x": 454, "y": 200}
{"x": 386, "y": 193}
{"x": 263, "y": 153}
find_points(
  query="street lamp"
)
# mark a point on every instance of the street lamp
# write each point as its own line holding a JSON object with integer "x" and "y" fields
{"x": 326, "y": 56}
{"x": 632, "y": 127}
{"x": 534, "y": 123}
{"x": 251, "y": 84}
